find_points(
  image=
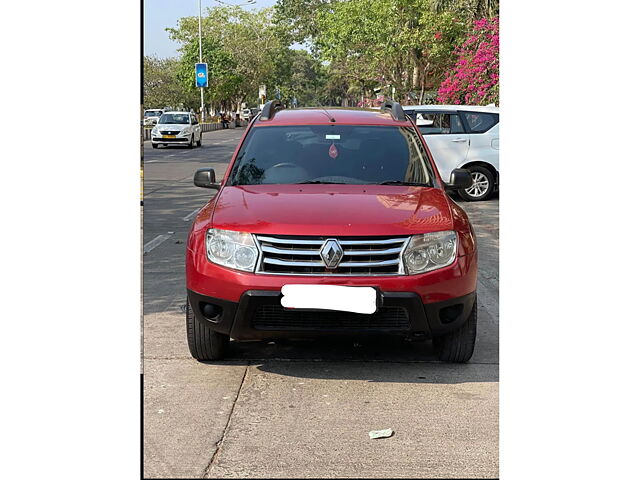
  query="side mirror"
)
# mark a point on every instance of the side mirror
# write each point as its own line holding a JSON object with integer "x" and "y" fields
{"x": 205, "y": 178}
{"x": 460, "y": 179}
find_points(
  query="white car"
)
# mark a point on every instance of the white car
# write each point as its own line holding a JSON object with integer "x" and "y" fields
{"x": 177, "y": 128}
{"x": 462, "y": 136}
{"x": 152, "y": 116}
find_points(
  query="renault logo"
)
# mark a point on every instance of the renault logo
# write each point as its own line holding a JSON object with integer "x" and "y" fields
{"x": 331, "y": 253}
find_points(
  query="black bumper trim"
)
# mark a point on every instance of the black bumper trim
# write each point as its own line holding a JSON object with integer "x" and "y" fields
{"x": 236, "y": 317}
{"x": 433, "y": 313}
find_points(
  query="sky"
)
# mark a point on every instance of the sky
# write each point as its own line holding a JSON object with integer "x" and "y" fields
{"x": 160, "y": 14}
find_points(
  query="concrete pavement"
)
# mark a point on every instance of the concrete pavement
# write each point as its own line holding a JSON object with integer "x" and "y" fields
{"x": 303, "y": 409}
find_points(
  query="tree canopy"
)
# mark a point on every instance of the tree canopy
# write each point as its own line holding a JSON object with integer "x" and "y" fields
{"x": 333, "y": 52}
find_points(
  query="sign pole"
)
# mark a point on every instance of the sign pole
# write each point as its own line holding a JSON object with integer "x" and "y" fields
{"x": 202, "y": 112}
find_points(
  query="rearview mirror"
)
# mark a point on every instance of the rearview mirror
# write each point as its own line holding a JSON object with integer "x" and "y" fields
{"x": 205, "y": 178}
{"x": 460, "y": 179}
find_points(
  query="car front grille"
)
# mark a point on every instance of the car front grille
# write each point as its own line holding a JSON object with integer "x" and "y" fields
{"x": 276, "y": 317}
{"x": 363, "y": 256}
{"x": 170, "y": 132}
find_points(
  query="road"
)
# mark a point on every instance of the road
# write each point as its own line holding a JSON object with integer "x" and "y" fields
{"x": 303, "y": 409}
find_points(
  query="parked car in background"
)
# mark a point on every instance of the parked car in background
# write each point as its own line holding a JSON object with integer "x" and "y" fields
{"x": 331, "y": 222}
{"x": 249, "y": 113}
{"x": 462, "y": 136}
{"x": 177, "y": 128}
{"x": 152, "y": 116}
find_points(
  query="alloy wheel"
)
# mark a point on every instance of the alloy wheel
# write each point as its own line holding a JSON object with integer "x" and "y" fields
{"x": 480, "y": 185}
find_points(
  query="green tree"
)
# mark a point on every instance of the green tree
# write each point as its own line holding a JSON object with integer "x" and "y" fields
{"x": 298, "y": 18}
{"x": 474, "y": 9}
{"x": 399, "y": 42}
{"x": 224, "y": 83}
{"x": 245, "y": 45}
{"x": 161, "y": 85}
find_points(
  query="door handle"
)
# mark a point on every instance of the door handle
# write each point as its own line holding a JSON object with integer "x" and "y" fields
{"x": 459, "y": 140}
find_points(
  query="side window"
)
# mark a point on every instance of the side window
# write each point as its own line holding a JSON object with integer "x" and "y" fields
{"x": 480, "y": 122}
{"x": 194, "y": 119}
{"x": 438, "y": 123}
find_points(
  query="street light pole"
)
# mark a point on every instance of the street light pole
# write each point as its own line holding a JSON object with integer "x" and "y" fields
{"x": 202, "y": 113}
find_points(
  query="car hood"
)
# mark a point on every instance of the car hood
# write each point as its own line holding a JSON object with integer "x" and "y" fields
{"x": 332, "y": 210}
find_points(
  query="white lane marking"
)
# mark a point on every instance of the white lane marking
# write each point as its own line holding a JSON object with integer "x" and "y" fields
{"x": 191, "y": 215}
{"x": 155, "y": 242}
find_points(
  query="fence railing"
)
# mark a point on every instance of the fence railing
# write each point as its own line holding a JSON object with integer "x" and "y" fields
{"x": 206, "y": 127}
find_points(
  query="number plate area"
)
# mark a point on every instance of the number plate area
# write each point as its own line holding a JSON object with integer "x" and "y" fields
{"x": 330, "y": 297}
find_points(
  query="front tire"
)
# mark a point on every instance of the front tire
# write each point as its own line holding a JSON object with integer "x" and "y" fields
{"x": 204, "y": 343}
{"x": 154, "y": 145}
{"x": 457, "y": 346}
{"x": 483, "y": 184}
{"x": 199, "y": 142}
{"x": 191, "y": 142}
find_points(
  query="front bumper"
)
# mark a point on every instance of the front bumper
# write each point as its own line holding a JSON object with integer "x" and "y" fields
{"x": 259, "y": 315}
{"x": 409, "y": 304}
{"x": 178, "y": 140}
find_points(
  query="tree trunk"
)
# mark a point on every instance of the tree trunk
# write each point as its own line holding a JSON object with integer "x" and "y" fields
{"x": 416, "y": 77}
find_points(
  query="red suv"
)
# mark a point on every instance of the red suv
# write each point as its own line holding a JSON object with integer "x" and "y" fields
{"x": 331, "y": 222}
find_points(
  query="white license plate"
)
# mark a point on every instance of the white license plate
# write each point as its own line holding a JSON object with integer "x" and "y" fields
{"x": 330, "y": 297}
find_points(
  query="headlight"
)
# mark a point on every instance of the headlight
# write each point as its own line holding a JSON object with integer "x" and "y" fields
{"x": 232, "y": 249}
{"x": 184, "y": 131}
{"x": 154, "y": 131}
{"x": 430, "y": 251}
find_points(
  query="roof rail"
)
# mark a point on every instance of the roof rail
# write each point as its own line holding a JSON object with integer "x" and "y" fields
{"x": 270, "y": 108}
{"x": 395, "y": 109}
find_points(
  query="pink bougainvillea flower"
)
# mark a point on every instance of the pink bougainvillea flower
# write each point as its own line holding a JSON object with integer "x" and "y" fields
{"x": 475, "y": 76}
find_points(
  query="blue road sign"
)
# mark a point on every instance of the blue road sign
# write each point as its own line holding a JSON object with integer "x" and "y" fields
{"x": 202, "y": 75}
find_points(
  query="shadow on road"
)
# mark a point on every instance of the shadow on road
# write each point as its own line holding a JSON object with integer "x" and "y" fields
{"x": 390, "y": 372}
{"x": 374, "y": 359}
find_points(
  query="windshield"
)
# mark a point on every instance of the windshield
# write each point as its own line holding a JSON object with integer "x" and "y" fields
{"x": 174, "y": 118}
{"x": 348, "y": 154}
{"x": 152, "y": 113}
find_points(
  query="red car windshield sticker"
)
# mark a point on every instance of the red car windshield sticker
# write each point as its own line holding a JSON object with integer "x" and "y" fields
{"x": 333, "y": 151}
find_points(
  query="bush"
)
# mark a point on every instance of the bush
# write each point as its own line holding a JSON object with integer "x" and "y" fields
{"x": 475, "y": 78}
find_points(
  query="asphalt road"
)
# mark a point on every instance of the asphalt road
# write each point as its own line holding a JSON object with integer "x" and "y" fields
{"x": 303, "y": 409}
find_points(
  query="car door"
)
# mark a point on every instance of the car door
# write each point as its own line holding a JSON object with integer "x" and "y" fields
{"x": 446, "y": 138}
{"x": 484, "y": 137}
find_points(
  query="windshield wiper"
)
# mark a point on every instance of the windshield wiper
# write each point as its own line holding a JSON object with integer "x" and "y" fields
{"x": 402, "y": 182}
{"x": 319, "y": 182}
